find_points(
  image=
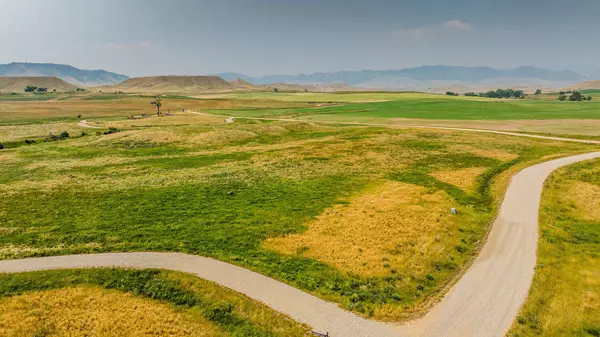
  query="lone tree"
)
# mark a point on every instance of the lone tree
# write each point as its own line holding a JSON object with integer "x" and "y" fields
{"x": 157, "y": 103}
{"x": 538, "y": 92}
{"x": 576, "y": 96}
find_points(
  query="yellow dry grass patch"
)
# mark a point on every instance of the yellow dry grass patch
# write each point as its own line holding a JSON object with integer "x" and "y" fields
{"x": 221, "y": 137}
{"x": 384, "y": 228}
{"x": 496, "y": 154}
{"x": 586, "y": 197}
{"x": 31, "y": 131}
{"x": 464, "y": 178}
{"x": 76, "y": 163}
{"x": 92, "y": 311}
{"x": 178, "y": 119}
{"x": 8, "y": 157}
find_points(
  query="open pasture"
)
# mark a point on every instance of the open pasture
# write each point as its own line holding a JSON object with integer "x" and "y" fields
{"x": 357, "y": 215}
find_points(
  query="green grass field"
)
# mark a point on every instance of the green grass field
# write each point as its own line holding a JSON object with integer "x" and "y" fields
{"x": 440, "y": 107}
{"x": 201, "y": 187}
{"x": 565, "y": 296}
{"x": 313, "y": 205}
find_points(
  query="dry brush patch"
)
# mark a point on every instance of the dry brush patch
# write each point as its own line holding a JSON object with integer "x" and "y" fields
{"x": 88, "y": 310}
{"x": 391, "y": 227}
{"x": 586, "y": 199}
{"x": 10, "y": 133}
{"x": 465, "y": 179}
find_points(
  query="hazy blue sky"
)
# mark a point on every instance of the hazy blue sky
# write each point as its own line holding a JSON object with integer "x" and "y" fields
{"x": 151, "y": 37}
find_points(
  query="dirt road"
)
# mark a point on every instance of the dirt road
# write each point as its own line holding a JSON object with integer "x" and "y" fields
{"x": 84, "y": 124}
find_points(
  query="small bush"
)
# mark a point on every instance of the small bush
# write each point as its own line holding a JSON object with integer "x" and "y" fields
{"x": 593, "y": 331}
{"x": 220, "y": 312}
{"x": 64, "y": 135}
{"x": 1, "y": 146}
{"x": 111, "y": 130}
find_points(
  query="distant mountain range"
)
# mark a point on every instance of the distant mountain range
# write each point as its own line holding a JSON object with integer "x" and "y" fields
{"x": 430, "y": 78}
{"x": 426, "y": 78}
{"x": 425, "y": 73}
{"x": 65, "y": 72}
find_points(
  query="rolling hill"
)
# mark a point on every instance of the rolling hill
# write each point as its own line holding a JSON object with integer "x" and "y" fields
{"x": 595, "y": 84}
{"x": 18, "y": 84}
{"x": 175, "y": 84}
{"x": 65, "y": 72}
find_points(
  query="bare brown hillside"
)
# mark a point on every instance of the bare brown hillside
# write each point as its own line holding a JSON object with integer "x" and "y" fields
{"x": 588, "y": 85}
{"x": 18, "y": 84}
{"x": 244, "y": 84}
{"x": 173, "y": 84}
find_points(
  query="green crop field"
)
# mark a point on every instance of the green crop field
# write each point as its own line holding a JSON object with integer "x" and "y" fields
{"x": 443, "y": 108}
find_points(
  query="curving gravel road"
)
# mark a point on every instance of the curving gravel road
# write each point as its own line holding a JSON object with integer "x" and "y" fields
{"x": 484, "y": 302}
{"x": 84, "y": 124}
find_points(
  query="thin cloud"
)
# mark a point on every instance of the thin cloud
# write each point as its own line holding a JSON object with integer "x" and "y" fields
{"x": 142, "y": 45}
{"x": 458, "y": 25}
{"x": 422, "y": 33}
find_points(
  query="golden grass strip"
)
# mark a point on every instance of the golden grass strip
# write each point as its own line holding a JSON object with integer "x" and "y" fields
{"x": 93, "y": 311}
{"x": 385, "y": 228}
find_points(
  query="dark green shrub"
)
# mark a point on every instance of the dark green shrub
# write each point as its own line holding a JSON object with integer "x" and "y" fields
{"x": 220, "y": 312}
{"x": 111, "y": 130}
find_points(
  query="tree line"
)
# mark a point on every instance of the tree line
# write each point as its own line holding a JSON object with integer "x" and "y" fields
{"x": 33, "y": 88}
{"x": 500, "y": 93}
{"x": 573, "y": 96}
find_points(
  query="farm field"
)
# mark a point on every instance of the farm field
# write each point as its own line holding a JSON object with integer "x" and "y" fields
{"x": 541, "y": 115}
{"x": 564, "y": 299}
{"x": 310, "y": 204}
{"x": 127, "y": 302}
{"x": 444, "y": 107}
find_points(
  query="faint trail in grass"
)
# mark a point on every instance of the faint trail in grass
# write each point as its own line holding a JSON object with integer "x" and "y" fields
{"x": 585, "y": 141}
{"x": 84, "y": 124}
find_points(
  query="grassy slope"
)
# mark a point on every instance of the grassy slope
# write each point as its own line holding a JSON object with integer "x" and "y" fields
{"x": 231, "y": 312}
{"x": 105, "y": 193}
{"x": 565, "y": 295}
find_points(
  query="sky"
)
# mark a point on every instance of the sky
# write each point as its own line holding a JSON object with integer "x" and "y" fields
{"x": 261, "y": 37}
